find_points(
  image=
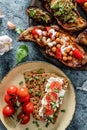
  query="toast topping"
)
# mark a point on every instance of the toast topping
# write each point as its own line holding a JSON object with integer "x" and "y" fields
{"x": 51, "y": 100}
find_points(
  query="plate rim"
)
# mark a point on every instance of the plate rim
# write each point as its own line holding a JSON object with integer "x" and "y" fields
{"x": 27, "y": 62}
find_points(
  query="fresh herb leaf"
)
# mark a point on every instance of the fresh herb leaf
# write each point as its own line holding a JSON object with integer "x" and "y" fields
{"x": 55, "y": 90}
{"x": 27, "y": 129}
{"x": 55, "y": 114}
{"x": 36, "y": 77}
{"x": 47, "y": 124}
{"x": 19, "y": 30}
{"x": 53, "y": 104}
{"x": 38, "y": 94}
{"x": 40, "y": 71}
{"x": 30, "y": 91}
{"x": 22, "y": 52}
{"x": 31, "y": 79}
{"x": 21, "y": 82}
{"x": 63, "y": 110}
{"x": 43, "y": 79}
{"x": 36, "y": 123}
{"x": 48, "y": 86}
{"x": 50, "y": 119}
{"x": 61, "y": 96}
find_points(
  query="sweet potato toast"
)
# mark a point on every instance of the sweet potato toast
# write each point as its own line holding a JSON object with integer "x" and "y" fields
{"x": 66, "y": 14}
{"x": 57, "y": 44}
{"x": 47, "y": 91}
{"x": 82, "y": 38}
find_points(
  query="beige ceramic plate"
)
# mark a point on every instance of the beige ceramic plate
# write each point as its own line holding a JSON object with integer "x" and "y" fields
{"x": 16, "y": 75}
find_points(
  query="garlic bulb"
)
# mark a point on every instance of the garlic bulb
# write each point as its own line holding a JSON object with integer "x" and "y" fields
{"x": 5, "y": 44}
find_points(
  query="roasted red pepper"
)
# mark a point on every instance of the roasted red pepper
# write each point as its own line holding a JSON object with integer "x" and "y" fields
{"x": 34, "y": 32}
{"x": 81, "y": 1}
{"x": 77, "y": 54}
{"x": 58, "y": 53}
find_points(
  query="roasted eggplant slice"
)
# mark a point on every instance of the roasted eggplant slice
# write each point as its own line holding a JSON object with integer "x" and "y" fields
{"x": 57, "y": 44}
{"x": 39, "y": 15}
{"x": 82, "y": 38}
{"x": 66, "y": 14}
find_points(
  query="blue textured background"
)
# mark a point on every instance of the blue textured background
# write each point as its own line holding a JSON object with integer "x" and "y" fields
{"x": 14, "y": 10}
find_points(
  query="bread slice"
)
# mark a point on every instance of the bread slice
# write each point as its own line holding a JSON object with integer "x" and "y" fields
{"x": 75, "y": 25}
{"x": 55, "y": 43}
{"x": 36, "y": 83}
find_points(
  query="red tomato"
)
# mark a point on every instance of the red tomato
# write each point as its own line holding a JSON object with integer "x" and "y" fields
{"x": 22, "y": 92}
{"x": 48, "y": 110}
{"x": 23, "y": 118}
{"x": 55, "y": 85}
{"x": 51, "y": 97}
{"x": 8, "y": 110}
{"x": 10, "y": 99}
{"x": 12, "y": 90}
{"x": 58, "y": 54}
{"x": 25, "y": 99}
{"x": 28, "y": 107}
{"x": 77, "y": 54}
{"x": 34, "y": 32}
{"x": 48, "y": 28}
{"x": 81, "y": 1}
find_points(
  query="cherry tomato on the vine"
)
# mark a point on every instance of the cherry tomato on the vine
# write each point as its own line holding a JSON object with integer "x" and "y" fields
{"x": 22, "y": 92}
{"x": 24, "y": 99}
{"x": 28, "y": 107}
{"x": 23, "y": 118}
{"x": 8, "y": 110}
{"x": 12, "y": 90}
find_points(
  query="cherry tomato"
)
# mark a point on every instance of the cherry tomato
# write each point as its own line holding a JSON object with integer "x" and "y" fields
{"x": 58, "y": 53}
{"x": 49, "y": 110}
{"x": 23, "y": 118}
{"x": 25, "y": 99}
{"x": 48, "y": 28}
{"x": 10, "y": 99}
{"x": 8, "y": 110}
{"x": 81, "y": 1}
{"x": 22, "y": 92}
{"x": 28, "y": 107}
{"x": 12, "y": 90}
{"x": 51, "y": 97}
{"x": 34, "y": 32}
{"x": 77, "y": 54}
{"x": 55, "y": 86}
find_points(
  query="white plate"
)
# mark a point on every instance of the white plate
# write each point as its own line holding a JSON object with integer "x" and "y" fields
{"x": 16, "y": 75}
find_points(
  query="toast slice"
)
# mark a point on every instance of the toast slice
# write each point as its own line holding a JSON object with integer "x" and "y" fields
{"x": 66, "y": 14}
{"x": 82, "y": 38}
{"x": 57, "y": 44}
{"x": 47, "y": 91}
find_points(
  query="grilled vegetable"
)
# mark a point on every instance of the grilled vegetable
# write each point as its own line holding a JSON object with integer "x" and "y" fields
{"x": 39, "y": 15}
{"x": 83, "y": 4}
{"x": 82, "y": 38}
{"x": 66, "y": 14}
{"x": 57, "y": 44}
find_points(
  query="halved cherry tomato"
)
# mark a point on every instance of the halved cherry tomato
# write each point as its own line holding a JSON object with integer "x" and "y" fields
{"x": 34, "y": 32}
{"x": 55, "y": 86}
{"x": 77, "y": 54}
{"x": 81, "y": 1}
{"x": 22, "y": 92}
{"x": 12, "y": 90}
{"x": 8, "y": 110}
{"x": 24, "y": 99}
{"x": 23, "y": 118}
{"x": 51, "y": 97}
{"x": 58, "y": 53}
{"x": 48, "y": 110}
{"x": 28, "y": 107}
{"x": 10, "y": 99}
{"x": 48, "y": 28}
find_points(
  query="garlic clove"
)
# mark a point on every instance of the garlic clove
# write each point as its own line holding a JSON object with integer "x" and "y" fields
{"x": 11, "y": 25}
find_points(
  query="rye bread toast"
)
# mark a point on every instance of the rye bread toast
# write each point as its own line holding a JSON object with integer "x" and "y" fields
{"x": 57, "y": 44}
{"x": 36, "y": 83}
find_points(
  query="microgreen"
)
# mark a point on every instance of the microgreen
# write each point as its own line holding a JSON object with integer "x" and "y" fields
{"x": 19, "y": 30}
